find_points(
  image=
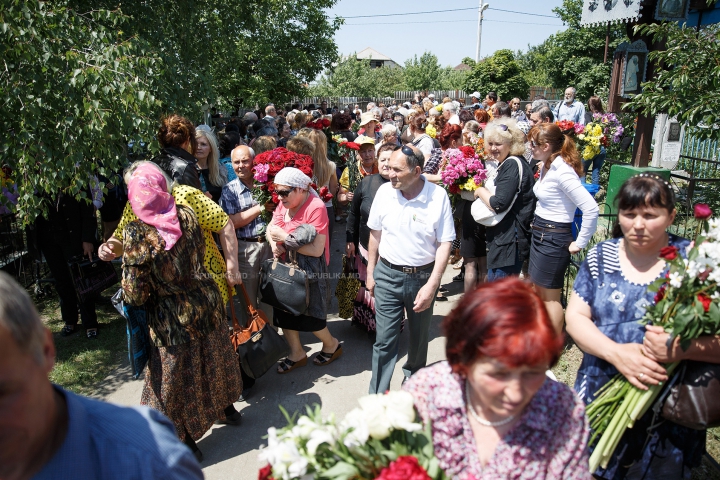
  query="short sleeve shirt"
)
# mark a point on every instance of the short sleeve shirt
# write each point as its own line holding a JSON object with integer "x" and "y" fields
{"x": 412, "y": 229}
{"x": 235, "y": 198}
{"x": 312, "y": 212}
{"x": 211, "y": 218}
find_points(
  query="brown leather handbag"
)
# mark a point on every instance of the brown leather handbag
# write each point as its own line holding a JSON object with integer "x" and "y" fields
{"x": 257, "y": 344}
{"x": 693, "y": 400}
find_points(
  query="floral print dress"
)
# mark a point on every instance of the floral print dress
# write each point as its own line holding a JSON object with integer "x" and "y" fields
{"x": 549, "y": 442}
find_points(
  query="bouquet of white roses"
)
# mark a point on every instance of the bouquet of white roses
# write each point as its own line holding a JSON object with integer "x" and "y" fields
{"x": 379, "y": 439}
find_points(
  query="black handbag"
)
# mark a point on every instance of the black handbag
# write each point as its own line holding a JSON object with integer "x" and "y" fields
{"x": 285, "y": 285}
{"x": 257, "y": 344}
{"x": 138, "y": 334}
{"x": 692, "y": 400}
{"x": 91, "y": 277}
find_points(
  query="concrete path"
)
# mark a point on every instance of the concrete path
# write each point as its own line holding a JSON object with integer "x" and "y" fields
{"x": 231, "y": 451}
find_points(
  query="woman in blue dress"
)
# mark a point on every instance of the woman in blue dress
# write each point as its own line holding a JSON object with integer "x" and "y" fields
{"x": 608, "y": 300}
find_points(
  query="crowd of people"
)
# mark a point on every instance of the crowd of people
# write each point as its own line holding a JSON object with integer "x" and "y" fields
{"x": 192, "y": 209}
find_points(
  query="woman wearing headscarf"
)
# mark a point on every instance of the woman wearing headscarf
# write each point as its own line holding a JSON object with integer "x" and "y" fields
{"x": 193, "y": 376}
{"x": 300, "y": 224}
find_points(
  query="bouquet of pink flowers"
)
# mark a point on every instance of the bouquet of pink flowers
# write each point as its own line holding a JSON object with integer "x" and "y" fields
{"x": 463, "y": 170}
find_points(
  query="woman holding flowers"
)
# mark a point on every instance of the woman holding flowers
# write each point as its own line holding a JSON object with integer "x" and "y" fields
{"x": 493, "y": 411}
{"x": 366, "y": 165}
{"x": 559, "y": 193}
{"x": 508, "y": 241}
{"x": 609, "y": 299}
{"x": 300, "y": 224}
{"x": 594, "y": 107}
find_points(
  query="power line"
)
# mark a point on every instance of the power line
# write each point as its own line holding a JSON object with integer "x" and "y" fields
{"x": 445, "y": 11}
{"x": 412, "y": 13}
{"x": 453, "y": 21}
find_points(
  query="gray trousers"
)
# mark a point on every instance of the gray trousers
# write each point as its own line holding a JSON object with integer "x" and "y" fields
{"x": 395, "y": 294}
{"x": 251, "y": 256}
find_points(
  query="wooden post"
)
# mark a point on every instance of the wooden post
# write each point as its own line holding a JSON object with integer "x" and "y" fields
{"x": 607, "y": 43}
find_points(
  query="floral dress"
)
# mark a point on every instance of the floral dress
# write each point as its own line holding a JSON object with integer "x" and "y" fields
{"x": 617, "y": 305}
{"x": 211, "y": 218}
{"x": 193, "y": 373}
{"x": 548, "y": 442}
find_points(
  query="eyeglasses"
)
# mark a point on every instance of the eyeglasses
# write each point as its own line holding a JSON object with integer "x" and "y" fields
{"x": 284, "y": 193}
{"x": 533, "y": 144}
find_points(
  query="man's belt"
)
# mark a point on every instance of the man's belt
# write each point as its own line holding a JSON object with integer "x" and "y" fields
{"x": 406, "y": 269}
{"x": 258, "y": 239}
{"x": 547, "y": 228}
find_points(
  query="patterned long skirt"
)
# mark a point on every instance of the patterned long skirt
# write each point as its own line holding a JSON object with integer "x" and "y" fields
{"x": 193, "y": 383}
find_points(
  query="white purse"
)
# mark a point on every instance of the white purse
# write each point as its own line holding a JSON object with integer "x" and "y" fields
{"x": 485, "y": 215}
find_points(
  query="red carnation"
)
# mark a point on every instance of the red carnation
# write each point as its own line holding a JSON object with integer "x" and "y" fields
{"x": 325, "y": 194}
{"x": 352, "y": 145}
{"x": 325, "y": 122}
{"x": 705, "y": 300}
{"x": 264, "y": 473}
{"x": 669, "y": 253}
{"x": 660, "y": 294}
{"x": 275, "y": 198}
{"x": 404, "y": 468}
{"x": 468, "y": 152}
{"x": 702, "y": 211}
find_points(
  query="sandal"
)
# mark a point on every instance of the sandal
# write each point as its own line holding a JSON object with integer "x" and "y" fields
{"x": 68, "y": 330}
{"x": 324, "y": 358}
{"x": 286, "y": 365}
{"x": 92, "y": 333}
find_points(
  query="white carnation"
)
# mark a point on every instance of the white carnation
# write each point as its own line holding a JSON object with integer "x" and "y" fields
{"x": 676, "y": 279}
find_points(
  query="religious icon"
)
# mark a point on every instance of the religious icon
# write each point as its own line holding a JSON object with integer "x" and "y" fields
{"x": 631, "y": 74}
{"x": 671, "y": 10}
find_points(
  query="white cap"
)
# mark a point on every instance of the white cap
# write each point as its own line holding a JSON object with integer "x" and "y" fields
{"x": 432, "y": 95}
{"x": 476, "y": 95}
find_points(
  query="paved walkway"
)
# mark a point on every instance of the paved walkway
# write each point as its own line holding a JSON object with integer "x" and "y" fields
{"x": 231, "y": 451}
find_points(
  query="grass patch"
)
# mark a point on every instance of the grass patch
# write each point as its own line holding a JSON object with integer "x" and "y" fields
{"x": 82, "y": 363}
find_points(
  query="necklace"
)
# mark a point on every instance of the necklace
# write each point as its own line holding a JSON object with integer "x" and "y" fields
{"x": 365, "y": 172}
{"x": 477, "y": 417}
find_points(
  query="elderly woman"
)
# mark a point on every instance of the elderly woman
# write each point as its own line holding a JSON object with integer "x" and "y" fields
{"x": 508, "y": 241}
{"x": 213, "y": 174}
{"x": 163, "y": 271}
{"x": 421, "y": 140}
{"x": 300, "y": 224}
{"x": 358, "y": 234}
{"x": 493, "y": 411}
{"x": 353, "y": 173}
{"x": 603, "y": 317}
{"x": 559, "y": 194}
{"x": 388, "y": 135}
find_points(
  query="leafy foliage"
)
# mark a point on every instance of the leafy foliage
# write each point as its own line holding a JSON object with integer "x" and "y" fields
{"x": 500, "y": 73}
{"x": 573, "y": 57}
{"x": 688, "y": 88}
{"x": 82, "y": 78}
{"x": 422, "y": 73}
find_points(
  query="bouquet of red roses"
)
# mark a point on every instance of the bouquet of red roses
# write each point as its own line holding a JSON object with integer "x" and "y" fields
{"x": 267, "y": 165}
{"x": 319, "y": 124}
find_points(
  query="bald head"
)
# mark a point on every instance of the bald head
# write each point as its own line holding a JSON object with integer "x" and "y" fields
{"x": 242, "y": 162}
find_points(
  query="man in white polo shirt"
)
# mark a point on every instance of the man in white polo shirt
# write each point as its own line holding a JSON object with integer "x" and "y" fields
{"x": 411, "y": 231}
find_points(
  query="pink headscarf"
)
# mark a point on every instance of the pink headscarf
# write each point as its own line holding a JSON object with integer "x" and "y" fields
{"x": 148, "y": 197}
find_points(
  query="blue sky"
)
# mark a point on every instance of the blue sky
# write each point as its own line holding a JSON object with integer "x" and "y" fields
{"x": 449, "y": 35}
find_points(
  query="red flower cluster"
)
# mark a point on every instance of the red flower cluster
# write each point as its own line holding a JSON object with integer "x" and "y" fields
{"x": 276, "y": 160}
{"x": 264, "y": 473}
{"x": 567, "y": 126}
{"x": 669, "y": 253}
{"x": 404, "y": 468}
{"x": 467, "y": 151}
{"x": 318, "y": 124}
{"x": 660, "y": 293}
{"x": 351, "y": 145}
{"x": 325, "y": 194}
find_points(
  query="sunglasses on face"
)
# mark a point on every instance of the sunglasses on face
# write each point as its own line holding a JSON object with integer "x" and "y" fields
{"x": 284, "y": 193}
{"x": 533, "y": 144}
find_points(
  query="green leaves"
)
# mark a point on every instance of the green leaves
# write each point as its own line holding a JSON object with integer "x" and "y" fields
{"x": 688, "y": 86}
{"x": 499, "y": 73}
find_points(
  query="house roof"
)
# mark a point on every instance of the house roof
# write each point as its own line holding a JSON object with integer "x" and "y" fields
{"x": 371, "y": 54}
{"x": 462, "y": 66}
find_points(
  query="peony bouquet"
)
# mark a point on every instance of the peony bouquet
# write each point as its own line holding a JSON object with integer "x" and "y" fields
{"x": 463, "y": 171}
{"x": 379, "y": 440}
{"x": 687, "y": 305}
{"x": 267, "y": 165}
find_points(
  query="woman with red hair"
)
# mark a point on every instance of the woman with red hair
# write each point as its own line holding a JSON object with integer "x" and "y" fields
{"x": 493, "y": 411}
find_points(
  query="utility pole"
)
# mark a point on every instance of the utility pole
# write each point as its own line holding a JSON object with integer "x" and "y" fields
{"x": 483, "y": 6}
